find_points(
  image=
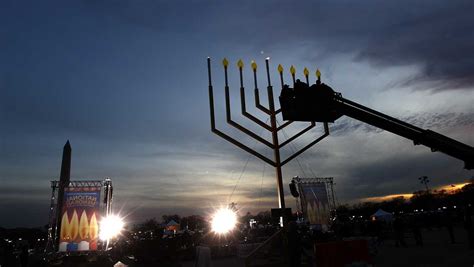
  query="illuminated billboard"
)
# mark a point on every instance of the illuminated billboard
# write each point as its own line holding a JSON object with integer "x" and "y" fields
{"x": 79, "y": 229}
{"x": 314, "y": 202}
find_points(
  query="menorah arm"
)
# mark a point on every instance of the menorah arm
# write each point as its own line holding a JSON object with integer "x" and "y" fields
{"x": 289, "y": 140}
{"x": 227, "y": 137}
{"x": 242, "y": 146}
{"x": 238, "y": 126}
{"x": 248, "y": 115}
{"x": 326, "y": 133}
{"x": 258, "y": 105}
{"x": 284, "y": 125}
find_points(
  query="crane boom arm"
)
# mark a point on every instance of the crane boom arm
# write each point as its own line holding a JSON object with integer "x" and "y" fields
{"x": 320, "y": 103}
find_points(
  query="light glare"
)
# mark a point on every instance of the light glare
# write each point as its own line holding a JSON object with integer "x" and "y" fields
{"x": 110, "y": 227}
{"x": 223, "y": 221}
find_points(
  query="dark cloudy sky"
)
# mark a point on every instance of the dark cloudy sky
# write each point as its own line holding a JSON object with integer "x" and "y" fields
{"x": 126, "y": 83}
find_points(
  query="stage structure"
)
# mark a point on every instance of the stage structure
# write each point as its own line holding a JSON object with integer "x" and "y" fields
{"x": 271, "y": 111}
{"x": 79, "y": 215}
{"x": 316, "y": 199}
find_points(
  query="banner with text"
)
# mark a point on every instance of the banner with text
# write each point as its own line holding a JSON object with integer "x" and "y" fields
{"x": 79, "y": 219}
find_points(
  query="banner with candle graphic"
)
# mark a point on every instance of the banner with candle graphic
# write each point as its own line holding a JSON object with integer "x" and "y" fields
{"x": 79, "y": 222}
{"x": 315, "y": 204}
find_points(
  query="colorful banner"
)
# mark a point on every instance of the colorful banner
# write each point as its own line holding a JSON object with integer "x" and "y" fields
{"x": 79, "y": 220}
{"x": 315, "y": 204}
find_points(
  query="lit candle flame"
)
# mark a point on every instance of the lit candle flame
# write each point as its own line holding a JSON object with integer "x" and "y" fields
{"x": 240, "y": 64}
{"x": 254, "y": 65}
{"x": 280, "y": 68}
{"x": 292, "y": 70}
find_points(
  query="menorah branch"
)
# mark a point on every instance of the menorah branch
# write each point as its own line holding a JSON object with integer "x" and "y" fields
{"x": 258, "y": 105}
{"x": 284, "y": 125}
{"x": 289, "y": 140}
{"x": 248, "y": 115}
{"x": 225, "y": 136}
{"x": 238, "y": 126}
{"x": 326, "y": 133}
{"x": 242, "y": 146}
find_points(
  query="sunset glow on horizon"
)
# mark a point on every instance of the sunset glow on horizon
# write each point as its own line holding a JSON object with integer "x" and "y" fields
{"x": 449, "y": 189}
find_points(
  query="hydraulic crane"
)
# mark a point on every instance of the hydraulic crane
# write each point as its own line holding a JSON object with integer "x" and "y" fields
{"x": 321, "y": 103}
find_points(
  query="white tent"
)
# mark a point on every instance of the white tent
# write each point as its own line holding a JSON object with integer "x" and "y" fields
{"x": 382, "y": 215}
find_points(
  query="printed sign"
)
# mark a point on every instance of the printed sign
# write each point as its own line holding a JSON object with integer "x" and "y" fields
{"x": 79, "y": 219}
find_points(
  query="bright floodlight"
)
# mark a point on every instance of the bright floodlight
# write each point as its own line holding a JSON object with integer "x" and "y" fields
{"x": 223, "y": 221}
{"x": 110, "y": 227}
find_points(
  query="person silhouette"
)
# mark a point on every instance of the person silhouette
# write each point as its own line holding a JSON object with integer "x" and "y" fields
{"x": 398, "y": 227}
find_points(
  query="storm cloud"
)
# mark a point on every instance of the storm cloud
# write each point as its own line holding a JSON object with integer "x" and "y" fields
{"x": 436, "y": 36}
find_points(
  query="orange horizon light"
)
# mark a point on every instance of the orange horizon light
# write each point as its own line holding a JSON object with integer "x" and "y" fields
{"x": 449, "y": 188}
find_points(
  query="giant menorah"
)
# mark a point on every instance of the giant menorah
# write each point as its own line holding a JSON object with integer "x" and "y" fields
{"x": 271, "y": 111}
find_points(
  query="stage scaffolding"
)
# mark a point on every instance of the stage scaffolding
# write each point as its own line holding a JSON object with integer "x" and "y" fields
{"x": 329, "y": 183}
